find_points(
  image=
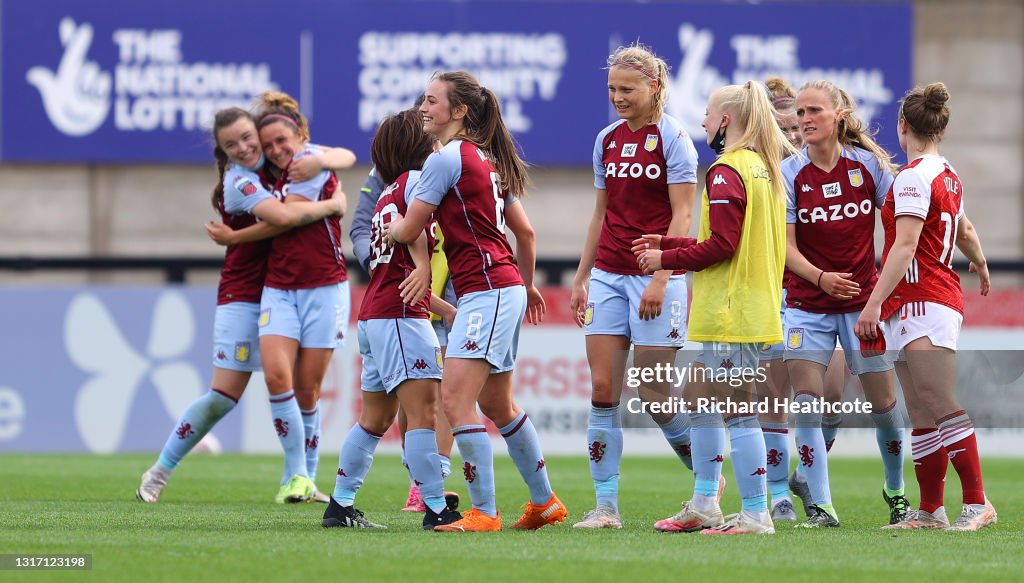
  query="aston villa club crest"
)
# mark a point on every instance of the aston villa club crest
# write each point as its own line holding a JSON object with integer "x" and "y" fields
{"x": 856, "y": 178}
{"x": 796, "y": 338}
{"x": 651, "y": 142}
{"x": 242, "y": 351}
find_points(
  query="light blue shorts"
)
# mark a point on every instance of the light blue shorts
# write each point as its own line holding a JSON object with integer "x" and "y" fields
{"x": 236, "y": 338}
{"x": 441, "y": 331}
{"x": 811, "y": 336}
{"x": 613, "y": 308}
{"x": 724, "y": 359}
{"x": 316, "y": 317}
{"x": 396, "y": 350}
{"x": 767, "y": 352}
{"x": 487, "y": 326}
{"x": 440, "y": 328}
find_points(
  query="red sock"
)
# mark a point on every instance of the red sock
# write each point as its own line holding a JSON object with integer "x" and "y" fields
{"x": 930, "y": 463}
{"x": 962, "y": 446}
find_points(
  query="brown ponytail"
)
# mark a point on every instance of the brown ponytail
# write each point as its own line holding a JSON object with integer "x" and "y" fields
{"x": 486, "y": 129}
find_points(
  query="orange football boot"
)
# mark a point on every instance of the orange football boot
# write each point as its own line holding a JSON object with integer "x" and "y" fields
{"x": 473, "y": 521}
{"x": 535, "y": 516}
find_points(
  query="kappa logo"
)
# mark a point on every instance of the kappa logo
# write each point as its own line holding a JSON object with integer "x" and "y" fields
{"x": 221, "y": 355}
{"x": 540, "y": 466}
{"x": 611, "y": 146}
{"x": 806, "y": 188}
{"x": 471, "y": 346}
{"x": 952, "y": 453}
{"x": 717, "y": 459}
{"x": 628, "y": 150}
{"x": 719, "y": 179}
{"x": 726, "y": 364}
{"x": 674, "y": 334}
{"x": 342, "y": 473}
{"x": 115, "y": 369}
{"x": 759, "y": 472}
{"x": 420, "y": 364}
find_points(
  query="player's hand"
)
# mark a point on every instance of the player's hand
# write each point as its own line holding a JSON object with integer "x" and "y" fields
{"x": 839, "y": 286}
{"x": 646, "y": 242}
{"x": 305, "y": 168}
{"x": 535, "y": 305}
{"x": 415, "y": 286}
{"x": 340, "y": 201}
{"x": 653, "y": 297}
{"x": 220, "y": 233}
{"x": 983, "y": 275}
{"x": 650, "y": 261}
{"x": 393, "y": 224}
{"x": 578, "y": 302}
{"x": 866, "y": 327}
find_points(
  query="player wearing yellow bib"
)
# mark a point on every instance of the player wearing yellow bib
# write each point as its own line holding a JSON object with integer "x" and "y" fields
{"x": 738, "y": 259}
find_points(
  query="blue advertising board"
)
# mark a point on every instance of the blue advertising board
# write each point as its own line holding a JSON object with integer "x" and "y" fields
{"x": 129, "y": 82}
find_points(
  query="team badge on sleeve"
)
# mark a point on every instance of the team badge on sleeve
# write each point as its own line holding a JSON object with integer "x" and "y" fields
{"x": 856, "y": 178}
{"x": 795, "y": 338}
{"x": 651, "y": 143}
{"x": 242, "y": 351}
{"x": 245, "y": 186}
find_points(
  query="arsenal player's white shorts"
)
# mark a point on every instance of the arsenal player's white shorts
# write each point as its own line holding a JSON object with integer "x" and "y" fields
{"x": 941, "y": 324}
{"x": 395, "y": 350}
{"x": 236, "y": 337}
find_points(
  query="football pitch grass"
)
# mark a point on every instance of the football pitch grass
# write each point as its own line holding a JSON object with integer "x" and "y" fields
{"x": 216, "y": 521}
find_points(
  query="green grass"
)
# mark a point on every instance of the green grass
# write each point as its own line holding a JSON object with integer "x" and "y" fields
{"x": 217, "y": 521}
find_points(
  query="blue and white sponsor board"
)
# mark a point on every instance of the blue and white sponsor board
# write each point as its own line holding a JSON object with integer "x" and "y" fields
{"x": 129, "y": 82}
